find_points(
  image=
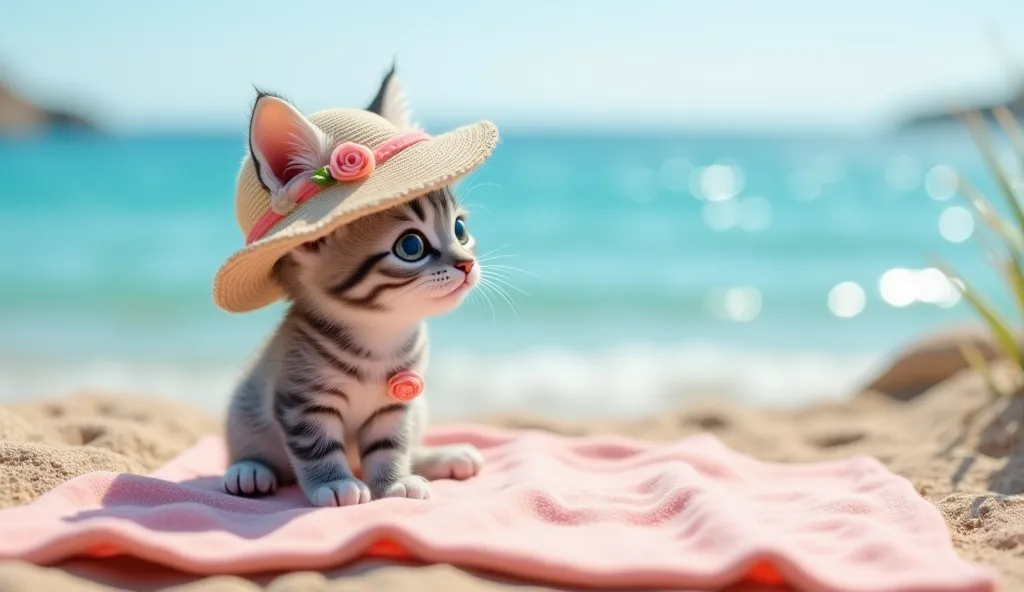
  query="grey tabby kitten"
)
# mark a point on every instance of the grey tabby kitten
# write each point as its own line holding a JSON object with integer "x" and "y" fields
{"x": 312, "y": 409}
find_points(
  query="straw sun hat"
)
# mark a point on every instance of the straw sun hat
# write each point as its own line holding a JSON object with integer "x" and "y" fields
{"x": 356, "y": 163}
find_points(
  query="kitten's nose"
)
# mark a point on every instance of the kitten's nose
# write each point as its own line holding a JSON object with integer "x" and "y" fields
{"x": 465, "y": 266}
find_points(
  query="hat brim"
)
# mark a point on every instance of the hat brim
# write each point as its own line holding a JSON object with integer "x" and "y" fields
{"x": 244, "y": 282}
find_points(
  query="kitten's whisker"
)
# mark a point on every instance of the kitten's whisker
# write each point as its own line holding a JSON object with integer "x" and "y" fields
{"x": 487, "y": 300}
{"x": 502, "y": 281}
{"x": 468, "y": 179}
{"x": 485, "y": 291}
{"x": 474, "y": 188}
{"x": 494, "y": 257}
{"x": 499, "y": 271}
{"x": 495, "y": 250}
{"x": 504, "y": 296}
{"x": 501, "y": 292}
{"x": 508, "y": 269}
{"x": 475, "y": 206}
{"x": 471, "y": 297}
{"x": 506, "y": 282}
{"x": 495, "y": 270}
{"x": 476, "y": 295}
{"x": 502, "y": 273}
{"x": 511, "y": 267}
{"x": 464, "y": 182}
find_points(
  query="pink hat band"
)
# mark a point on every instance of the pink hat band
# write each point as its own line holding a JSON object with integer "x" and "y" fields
{"x": 349, "y": 162}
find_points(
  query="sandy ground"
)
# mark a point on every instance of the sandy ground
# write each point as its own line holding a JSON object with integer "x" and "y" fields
{"x": 933, "y": 439}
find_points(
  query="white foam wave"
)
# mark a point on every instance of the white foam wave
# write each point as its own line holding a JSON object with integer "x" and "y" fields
{"x": 626, "y": 381}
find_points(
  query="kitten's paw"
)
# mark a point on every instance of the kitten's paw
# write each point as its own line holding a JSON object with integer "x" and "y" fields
{"x": 250, "y": 478}
{"x": 457, "y": 461}
{"x": 410, "y": 486}
{"x": 344, "y": 492}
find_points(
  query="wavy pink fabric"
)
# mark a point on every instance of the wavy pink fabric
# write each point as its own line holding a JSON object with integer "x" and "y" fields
{"x": 597, "y": 512}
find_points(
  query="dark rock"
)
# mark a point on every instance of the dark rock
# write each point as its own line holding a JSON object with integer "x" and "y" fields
{"x": 930, "y": 360}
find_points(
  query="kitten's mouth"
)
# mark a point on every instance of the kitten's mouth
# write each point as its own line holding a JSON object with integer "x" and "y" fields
{"x": 456, "y": 291}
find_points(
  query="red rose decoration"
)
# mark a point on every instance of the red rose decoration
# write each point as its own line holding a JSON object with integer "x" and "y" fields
{"x": 350, "y": 162}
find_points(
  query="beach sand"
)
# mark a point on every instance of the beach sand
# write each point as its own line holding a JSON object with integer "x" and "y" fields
{"x": 933, "y": 439}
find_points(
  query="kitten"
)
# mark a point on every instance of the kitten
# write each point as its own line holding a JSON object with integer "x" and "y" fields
{"x": 311, "y": 409}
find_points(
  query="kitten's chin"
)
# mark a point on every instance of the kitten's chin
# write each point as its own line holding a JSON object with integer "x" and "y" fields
{"x": 450, "y": 300}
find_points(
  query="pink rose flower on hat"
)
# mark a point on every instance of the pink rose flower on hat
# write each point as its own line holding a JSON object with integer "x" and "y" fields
{"x": 351, "y": 161}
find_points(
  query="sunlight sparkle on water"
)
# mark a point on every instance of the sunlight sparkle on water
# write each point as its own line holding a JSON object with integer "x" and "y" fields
{"x": 901, "y": 287}
{"x": 742, "y": 304}
{"x": 739, "y": 303}
{"x": 956, "y": 224}
{"x": 952, "y": 296}
{"x": 934, "y": 287}
{"x": 846, "y": 300}
{"x": 898, "y": 287}
{"x": 716, "y": 182}
{"x": 940, "y": 182}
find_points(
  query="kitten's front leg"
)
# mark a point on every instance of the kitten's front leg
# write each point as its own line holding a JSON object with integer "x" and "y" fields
{"x": 315, "y": 438}
{"x": 455, "y": 461}
{"x": 385, "y": 440}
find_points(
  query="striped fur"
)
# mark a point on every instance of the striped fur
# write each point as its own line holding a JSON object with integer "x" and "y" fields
{"x": 314, "y": 407}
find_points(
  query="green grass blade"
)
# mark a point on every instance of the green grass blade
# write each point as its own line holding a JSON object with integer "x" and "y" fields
{"x": 1011, "y": 236}
{"x": 999, "y": 327}
{"x": 1012, "y": 128}
{"x": 1012, "y": 269}
{"x": 977, "y": 362}
{"x": 976, "y": 125}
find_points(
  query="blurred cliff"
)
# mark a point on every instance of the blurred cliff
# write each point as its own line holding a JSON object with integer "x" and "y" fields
{"x": 19, "y": 115}
{"x": 1014, "y": 101}
{"x": 953, "y": 110}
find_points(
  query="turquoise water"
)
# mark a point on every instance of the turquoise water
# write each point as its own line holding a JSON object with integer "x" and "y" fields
{"x": 652, "y": 266}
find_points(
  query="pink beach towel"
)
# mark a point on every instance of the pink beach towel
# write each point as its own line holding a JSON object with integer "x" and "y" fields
{"x": 597, "y": 512}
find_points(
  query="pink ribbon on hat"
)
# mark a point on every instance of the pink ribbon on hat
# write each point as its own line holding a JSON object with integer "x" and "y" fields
{"x": 349, "y": 162}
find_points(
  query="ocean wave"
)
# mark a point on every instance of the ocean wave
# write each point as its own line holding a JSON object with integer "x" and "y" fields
{"x": 626, "y": 381}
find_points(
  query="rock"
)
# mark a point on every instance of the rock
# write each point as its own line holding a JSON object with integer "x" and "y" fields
{"x": 930, "y": 360}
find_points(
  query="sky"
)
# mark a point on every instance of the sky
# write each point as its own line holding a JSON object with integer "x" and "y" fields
{"x": 593, "y": 63}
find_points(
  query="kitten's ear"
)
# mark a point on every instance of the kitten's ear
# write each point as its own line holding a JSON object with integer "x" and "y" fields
{"x": 283, "y": 143}
{"x": 391, "y": 102}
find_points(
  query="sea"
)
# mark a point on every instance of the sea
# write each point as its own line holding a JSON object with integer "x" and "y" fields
{"x": 633, "y": 272}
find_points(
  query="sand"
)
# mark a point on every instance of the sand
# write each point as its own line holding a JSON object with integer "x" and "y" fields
{"x": 933, "y": 439}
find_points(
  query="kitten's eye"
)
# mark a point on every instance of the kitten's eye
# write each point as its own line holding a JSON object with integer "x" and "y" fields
{"x": 460, "y": 231}
{"x": 410, "y": 247}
